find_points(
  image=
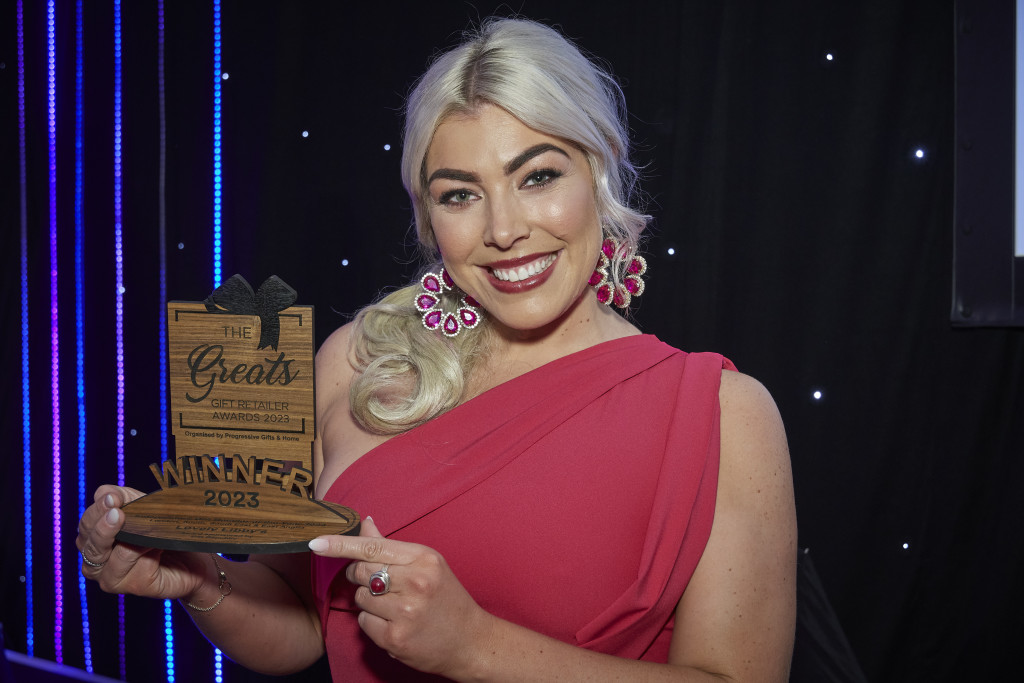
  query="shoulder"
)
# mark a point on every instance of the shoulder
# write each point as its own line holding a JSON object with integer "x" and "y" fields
{"x": 738, "y": 612}
{"x": 754, "y": 469}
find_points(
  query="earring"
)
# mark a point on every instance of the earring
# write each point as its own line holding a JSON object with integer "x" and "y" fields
{"x": 632, "y": 284}
{"x": 430, "y": 303}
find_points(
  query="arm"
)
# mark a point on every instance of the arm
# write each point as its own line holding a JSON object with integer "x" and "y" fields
{"x": 263, "y": 624}
{"x": 734, "y": 623}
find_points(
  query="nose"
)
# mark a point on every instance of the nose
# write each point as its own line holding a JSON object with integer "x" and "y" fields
{"x": 506, "y": 223}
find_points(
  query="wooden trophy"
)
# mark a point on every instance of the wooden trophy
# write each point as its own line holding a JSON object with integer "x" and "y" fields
{"x": 243, "y": 418}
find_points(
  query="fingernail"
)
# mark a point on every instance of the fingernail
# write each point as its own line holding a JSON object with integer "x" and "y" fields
{"x": 318, "y": 545}
{"x": 109, "y": 501}
{"x": 112, "y": 516}
{"x": 369, "y": 518}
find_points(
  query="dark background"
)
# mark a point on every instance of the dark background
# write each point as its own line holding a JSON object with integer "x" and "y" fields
{"x": 811, "y": 247}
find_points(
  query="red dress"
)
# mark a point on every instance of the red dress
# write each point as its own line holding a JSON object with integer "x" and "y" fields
{"x": 574, "y": 500}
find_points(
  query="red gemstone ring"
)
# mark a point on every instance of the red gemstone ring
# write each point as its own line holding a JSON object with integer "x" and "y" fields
{"x": 380, "y": 582}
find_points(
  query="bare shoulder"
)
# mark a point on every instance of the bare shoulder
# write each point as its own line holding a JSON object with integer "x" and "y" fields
{"x": 737, "y": 615}
{"x": 752, "y": 431}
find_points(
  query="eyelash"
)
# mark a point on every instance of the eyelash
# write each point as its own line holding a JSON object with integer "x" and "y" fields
{"x": 543, "y": 178}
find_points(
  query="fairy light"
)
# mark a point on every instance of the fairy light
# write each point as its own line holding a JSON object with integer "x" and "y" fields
{"x": 161, "y": 308}
{"x": 217, "y": 176}
{"x": 218, "y": 657}
{"x": 80, "y": 314}
{"x": 119, "y": 303}
{"x": 51, "y": 111}
{"x": 26, "y": 415}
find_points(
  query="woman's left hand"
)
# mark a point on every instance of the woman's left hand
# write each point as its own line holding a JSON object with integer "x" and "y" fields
{"x": 426, "y": 619}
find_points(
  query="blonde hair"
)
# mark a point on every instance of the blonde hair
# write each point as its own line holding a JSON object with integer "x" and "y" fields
{"x": 406, "y": 374}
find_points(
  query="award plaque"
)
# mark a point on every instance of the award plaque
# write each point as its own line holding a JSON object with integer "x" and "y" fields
{"x": 243, "y": 417}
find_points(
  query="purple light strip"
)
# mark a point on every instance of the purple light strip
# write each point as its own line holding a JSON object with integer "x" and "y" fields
{"x": 51, "y": 108}
{"x": 26, "y": 416}
{"x": 80, "y": 312}
{"x": 162, "y": 306}
{"x": 119, "y": 304}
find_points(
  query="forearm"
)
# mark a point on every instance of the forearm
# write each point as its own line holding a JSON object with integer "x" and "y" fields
{"x": 507, "y": 652}
{"x": 262, "y": 623}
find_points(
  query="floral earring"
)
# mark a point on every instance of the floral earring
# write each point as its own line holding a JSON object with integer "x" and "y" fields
{"x": 437, "y": 287}
{"x": 632, "y": 284}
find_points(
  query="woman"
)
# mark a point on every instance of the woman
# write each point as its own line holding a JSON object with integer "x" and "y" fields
{"x": 549, "y": 494}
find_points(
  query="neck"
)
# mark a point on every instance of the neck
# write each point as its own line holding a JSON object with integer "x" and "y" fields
{"x": 511, "y": 352}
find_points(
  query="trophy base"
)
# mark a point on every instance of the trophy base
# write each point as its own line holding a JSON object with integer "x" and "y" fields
{"x": 232, "y": 518}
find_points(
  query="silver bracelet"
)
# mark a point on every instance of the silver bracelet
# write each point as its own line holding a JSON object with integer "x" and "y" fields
{"x": 223, "y": 587}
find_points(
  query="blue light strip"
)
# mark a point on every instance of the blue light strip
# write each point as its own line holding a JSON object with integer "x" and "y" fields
{"x": 218, "y": 657}
{"x": 217, "y": 77}
{"x": 26, "y": 415}
{"x": 51, "y": 109}
{"x": 162, "y": 306}
{"x": 119, "y": 303}
{"x": 80, "y": 313}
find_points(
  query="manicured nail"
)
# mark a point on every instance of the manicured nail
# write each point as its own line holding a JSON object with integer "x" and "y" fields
{"x": 318, "y": 545}
{"x": 109, "y": 501}
{"x": 112, "y": 516}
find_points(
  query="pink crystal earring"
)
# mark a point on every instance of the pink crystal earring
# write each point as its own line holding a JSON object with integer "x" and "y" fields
{"x": 436, "y": 288}
{"x": 632, "y": 284}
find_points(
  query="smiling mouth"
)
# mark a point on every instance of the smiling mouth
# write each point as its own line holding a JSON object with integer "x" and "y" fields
{"x": 524, "y": 271}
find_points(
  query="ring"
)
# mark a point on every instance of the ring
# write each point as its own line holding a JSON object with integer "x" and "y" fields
{"x": 380, "y": 582}
{"x": 94, "y": 565}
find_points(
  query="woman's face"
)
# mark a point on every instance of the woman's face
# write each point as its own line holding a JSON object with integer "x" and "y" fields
{"x": 515, "y": 218}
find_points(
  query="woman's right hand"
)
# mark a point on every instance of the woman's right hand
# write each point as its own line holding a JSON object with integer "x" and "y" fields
{"x": 124, "y": 568}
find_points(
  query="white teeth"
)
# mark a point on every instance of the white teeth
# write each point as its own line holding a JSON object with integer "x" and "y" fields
{"x": 523, "y": 272}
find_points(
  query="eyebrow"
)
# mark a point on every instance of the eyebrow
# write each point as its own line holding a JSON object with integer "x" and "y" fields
{"x": 509, "y": 168}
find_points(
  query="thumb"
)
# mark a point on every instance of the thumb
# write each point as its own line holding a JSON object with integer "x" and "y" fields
{"x": 369, "y": 529}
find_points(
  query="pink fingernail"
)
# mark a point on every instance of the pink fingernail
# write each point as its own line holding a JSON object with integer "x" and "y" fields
{"x": 112, "y": 516}
{"x": 109, "y": 501}
{"x": 318, "y": 545}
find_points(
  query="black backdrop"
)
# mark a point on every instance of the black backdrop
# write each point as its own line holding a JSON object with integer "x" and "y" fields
{"x": 811, "y": 246}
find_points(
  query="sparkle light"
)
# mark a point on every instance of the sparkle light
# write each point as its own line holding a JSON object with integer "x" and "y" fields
{"x": 26, "y": 416}
{"x": 51, "y": 108}
{"x": 817, "y": 395}
{"x": 344, "y": 261}
{"x": 671, "y": 251}
{"x": 387, "y": 148}
{"x": 906, "y": 546}
{"x": 305, "y": 133}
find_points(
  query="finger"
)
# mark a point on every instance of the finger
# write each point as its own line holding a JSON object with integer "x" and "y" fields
{"x": 360, "y": 573}
{"x": 97, "y": 541}
{"x": 365, "y": 548}
{"x": 368, "y": 529}
{"x": 110, "y": 495}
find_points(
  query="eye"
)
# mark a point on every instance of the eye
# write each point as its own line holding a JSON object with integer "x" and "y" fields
{"x": 541, "y": 178}
{"x": 455, "y": 197}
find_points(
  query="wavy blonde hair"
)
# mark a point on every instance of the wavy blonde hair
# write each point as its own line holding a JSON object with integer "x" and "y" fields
{"x": 407, "y": 374}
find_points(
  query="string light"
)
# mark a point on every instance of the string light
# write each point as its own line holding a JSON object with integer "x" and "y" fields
{"x": 51, "y": 108}
{"x": 80, "y": 311}
{"x": 161, "y": 308}
{"x": 218, "y": 659}
{"x": 26, "y": 415}
{"x": 119, "y": 307}
{"x": 217, "y": 175}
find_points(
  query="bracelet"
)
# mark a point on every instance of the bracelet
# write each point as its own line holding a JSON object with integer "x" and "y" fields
{"x": 223, "y": 587}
